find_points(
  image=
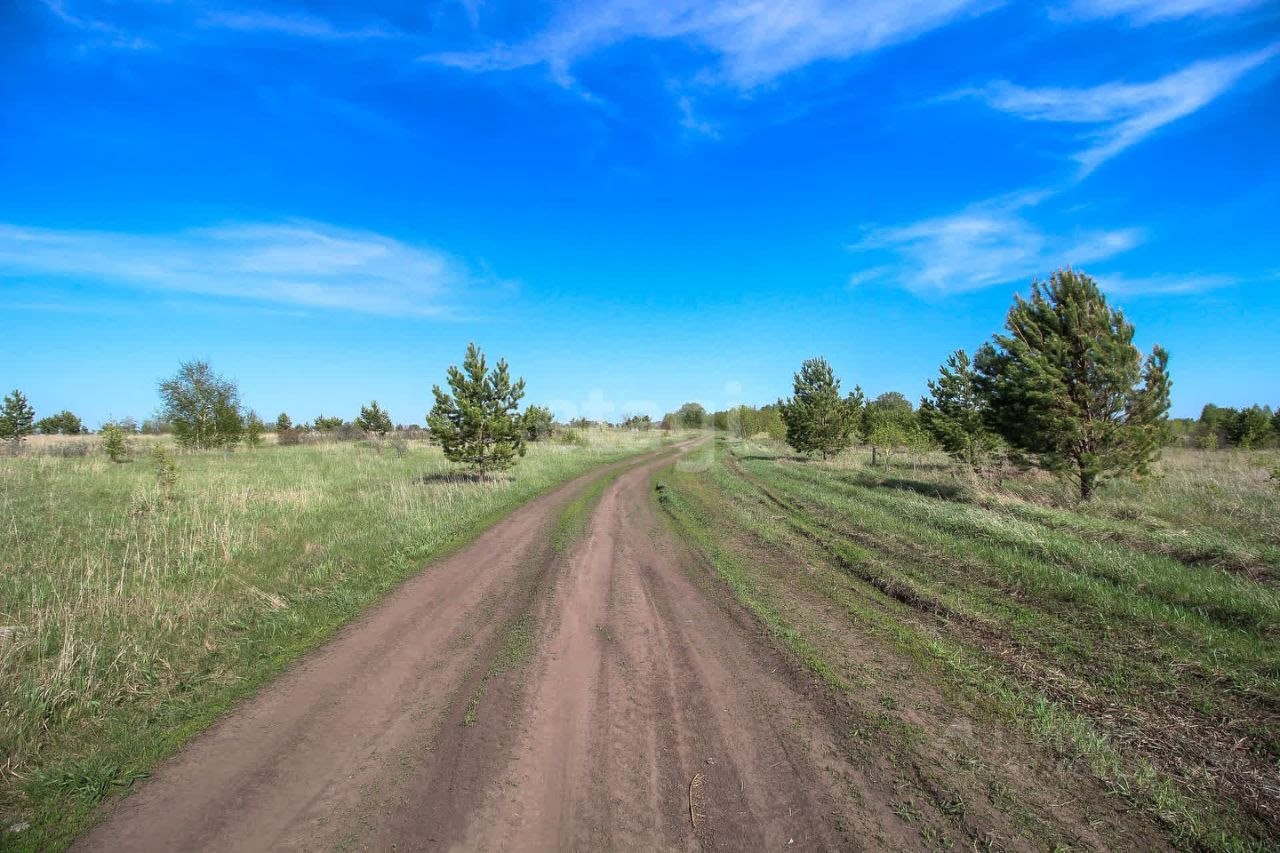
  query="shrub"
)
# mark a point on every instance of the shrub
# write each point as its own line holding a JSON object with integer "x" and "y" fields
{"x": 203, "y": 408}
{"x": 253, "y": 429}
{"x": 113, "y": 442}
{"x": 166, "y": 469}
{"x": 288, "y": 437}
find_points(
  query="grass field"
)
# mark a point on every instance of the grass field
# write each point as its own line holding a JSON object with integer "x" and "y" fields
{"x": 131, "y": 616}
{"x": 1135, "y": 640}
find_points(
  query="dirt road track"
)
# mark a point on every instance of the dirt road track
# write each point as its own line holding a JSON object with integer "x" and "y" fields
{"x": 650, "y": 713}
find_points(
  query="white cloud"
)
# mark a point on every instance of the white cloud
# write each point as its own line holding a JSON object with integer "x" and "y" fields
{"x": 754, "y": 41}
{"x": 294, "y": 263}
{"x": 1147, "y": 11}
{"x": 1126, "y": 112}
{"x": 982, "y": 246}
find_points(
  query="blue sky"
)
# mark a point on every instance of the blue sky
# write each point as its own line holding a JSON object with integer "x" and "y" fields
{"x": 637, "y": 203}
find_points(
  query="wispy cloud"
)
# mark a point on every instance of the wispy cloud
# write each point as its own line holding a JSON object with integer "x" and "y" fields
{"x": 293, "y": 263}
{"x": 753, "y": 42}
{"x": 1148, "y": 11}
{"x": 297, "y": 25}
{"x": 984, "y": 245}
{"x": 1126, "y": 113}
{"x": 101, "y": 32}
{"x": 1163, "y": 284}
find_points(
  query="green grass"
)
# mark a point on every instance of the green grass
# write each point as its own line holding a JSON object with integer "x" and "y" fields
{"x": 129, "y": 620}
{"x": 1137, "y": 635}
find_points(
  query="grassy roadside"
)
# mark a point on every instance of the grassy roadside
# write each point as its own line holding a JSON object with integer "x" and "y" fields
{"x": 131, "y": 620}
{"x": 1149, "y": 668}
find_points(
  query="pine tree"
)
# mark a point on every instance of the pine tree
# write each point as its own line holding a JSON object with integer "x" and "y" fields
{"x": 477, "y": 424}
{"x": 953, "y": 413}
{"x": 17, "y": 418}
{"x": 538, "y": 422}
{"x": 817, "y": 418}
{"x": 373, "y": 418}
{"x": 1068, "y": 390}
{"x": 284, "y": 423}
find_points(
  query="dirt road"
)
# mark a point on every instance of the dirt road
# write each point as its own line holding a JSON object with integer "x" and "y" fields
{"x": 516, "y": 696}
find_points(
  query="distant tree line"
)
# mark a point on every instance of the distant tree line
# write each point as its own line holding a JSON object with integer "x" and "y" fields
{"x": 1225, "y": 427}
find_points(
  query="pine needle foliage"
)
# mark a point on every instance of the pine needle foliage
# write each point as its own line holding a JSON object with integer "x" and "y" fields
{"x": 1067, "y": 388}
{"x": 817, "y": 418}
{"x": 954, "y": 413}
{"x": 373, "y": 418}
{"x": 477, "y": 424}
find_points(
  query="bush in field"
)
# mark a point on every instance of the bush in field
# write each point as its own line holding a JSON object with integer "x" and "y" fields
{"x": 16, "y": 419}
{"x": 1068, "y": 390}
{"x": 373, "y": 418}
{"x": 254, "y": 427}
{"x": 817, "y": 418}
{"x": 889, "y": 422}
{"x": 63, "y": 423}
{"x": 283, "y": 422}
{"x": 538, "y": 423}
{"x": 477, "y": 424}
{"x": 639, "y": 423}
{"x": 324, "y": 424}
{"x": 954, "y": 412}
{"x": 113, "y": 442}
{"x": 689, "y": 416}
{"x": 166, "y": 469}
{"x": 203, "y": 408}
{"x": 289, "y": 437}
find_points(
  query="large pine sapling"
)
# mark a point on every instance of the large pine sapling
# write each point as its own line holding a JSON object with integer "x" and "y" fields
{"x": 477, "y": 424}
{"x": 817, "y": 418}
{"x": 1068, "y": 390}
{"x": 17, "y": 419}
{"x": 954, "y": 415}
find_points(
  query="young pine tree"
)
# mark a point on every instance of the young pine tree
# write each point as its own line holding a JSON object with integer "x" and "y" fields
{"x": 1068, "y": 390}
{"x": 373, "y": 418}
{"x": 817, "y": 418}
{"x": 17, "y": 419}
{"x": 953, "y": 413}
{"x": 477, "y": 424}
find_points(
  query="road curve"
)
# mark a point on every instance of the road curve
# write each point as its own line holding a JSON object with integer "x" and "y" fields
{"x": 639, "y": 708}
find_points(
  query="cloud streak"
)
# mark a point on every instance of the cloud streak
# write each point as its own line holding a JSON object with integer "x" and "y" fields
{"x": 753, "y": 41}
{"x": 1150, "y": 11}
{"x": 1125, "y": 113}
{"x": 979, "y": 247}
{"x": 294, "y": 263}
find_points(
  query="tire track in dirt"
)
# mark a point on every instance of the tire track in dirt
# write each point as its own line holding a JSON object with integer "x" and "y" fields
{"x": 657, "y": 716}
